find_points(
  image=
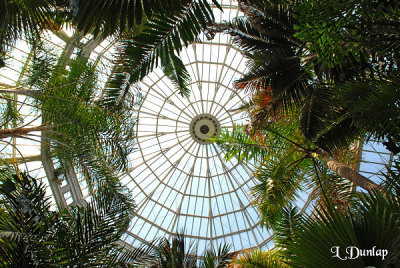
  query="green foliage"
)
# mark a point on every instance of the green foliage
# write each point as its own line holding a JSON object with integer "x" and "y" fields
{"x": 284, "y": 232}
{"x": 307, "y": 240}
{"x": 326, "y": 122}
{"x": 9, "y": 114}
{"x": 285, "y": 167}
{"x": 280, "y": 181}
{"x": 374, "y": 105}
{"x": 238, "y": 143}
{"x": 92, "y": 232}
{"x": 275, "y": 62}
{"x": 32, "y": 234}
{"x": 336, "y": 116}
{"x": 372, "y": 220}
{"x": 24, "y": 18}
{"x": 308, "y": 54}
{"x": 168, "y": 254}
{"x": 392, "y": 179}
{"x": 160, "y": 37}
{"x": 115, "y": 17}
{"x": 219, "y": 258}
{"x": 152, "y": 30}
{"x": 176, "y": 254}
{"x": 25, "y": 220}
{"x": 337, "y": 30}
{"x": 373, "y": 223}
{"x": 86, "y": 132}
{"x": 257, "y": 258}
{"x": 274, "y": 138}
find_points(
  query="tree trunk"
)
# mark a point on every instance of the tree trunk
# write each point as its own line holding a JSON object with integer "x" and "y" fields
{"x": 345, "y": 172}
{"x": 4, "y": 133}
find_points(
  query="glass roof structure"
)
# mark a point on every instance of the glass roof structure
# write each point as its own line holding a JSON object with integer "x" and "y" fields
{"x": 179, "y": 180}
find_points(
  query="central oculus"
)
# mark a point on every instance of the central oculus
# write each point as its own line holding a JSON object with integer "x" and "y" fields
{"x": 203, "y": 127}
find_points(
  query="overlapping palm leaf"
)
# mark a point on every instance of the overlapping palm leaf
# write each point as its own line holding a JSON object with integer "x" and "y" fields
{"x": 32, "y": 234}
{"x": 160, "y": 38}
{"x": 85, "y": 133}
{"x": 25, "y": 18}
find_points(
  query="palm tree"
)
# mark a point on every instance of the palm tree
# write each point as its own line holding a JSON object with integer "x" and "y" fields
{"x": 328, "y": 236}
{"x": 176, "y": 254}
{"x": 371, "y": 223}
{"x": 171, "y": 28}
{"x": 289, "y": 163}
{"x": 33, "y": 234}
{"x": 151, "y": 31}
{"x": 218, "y": 258}
{"x": 80, "y": 129}
{"x": 266, "y": 36}
{"x": 24, "y": 18}
{"x": 257, "y": 258}
{"x": 289, "y": 66}
{"x": 355, "y": 30}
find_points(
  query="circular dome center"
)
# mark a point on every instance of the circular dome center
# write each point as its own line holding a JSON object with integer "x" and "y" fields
{"x": 203, "y": 127}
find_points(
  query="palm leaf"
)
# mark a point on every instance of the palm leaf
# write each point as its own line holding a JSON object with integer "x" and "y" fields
{"x": 160, "y": 37}
{"x": 92, "y": 232}
{"x": 257, "y": 258}
{"x": 217, "y": 258}
{"x": 25, "y": 222}
{"x": 93, "y": 135}
{"x": 280, "y": 181}
{"x": 373, "y": 221}
{"x": 24, "y": 18}
{"x": 114, "y": 17}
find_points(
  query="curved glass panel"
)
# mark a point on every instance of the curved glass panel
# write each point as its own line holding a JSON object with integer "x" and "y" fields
{"x": 179, "y": 179}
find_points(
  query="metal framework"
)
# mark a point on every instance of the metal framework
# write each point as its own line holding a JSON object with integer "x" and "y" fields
{"x": 179, "y": 180}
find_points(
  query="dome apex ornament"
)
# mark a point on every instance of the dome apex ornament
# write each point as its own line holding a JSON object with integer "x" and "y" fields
{"x": 203, "y": 127}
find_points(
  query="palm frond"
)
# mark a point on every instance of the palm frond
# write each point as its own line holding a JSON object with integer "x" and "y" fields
{"x": 95, "y": 229}
{"x": 176, "y": 253}
{"x": 93, "y": 135}
{"x": 34, "y": 235}
{"x": 9, "y": 112}
{"x": 145, "y": 254}
{"x": 24, "y": 18}
{"x": 280, "y": 181}
{"x": 25, "y": 222}
{"x": 238, "y": 143}
{"x": 392, "y": 179}
{"x": 356, "y": 108}
{"x": 289, "y": 224}
{"x": 175, "y": 70}
{"x": 160, "y": 37}
{"x": 330, "y": 189}
{"x": 114, "y": 17}
{"x": 313, "y": 119}
{"x": 217, "y": 258}
{"x": 258, "y": 258}
{"x": 371, "y": 222}
{"x": 374, "y": 105}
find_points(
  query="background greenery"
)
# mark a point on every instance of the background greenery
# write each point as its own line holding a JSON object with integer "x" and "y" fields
{"x": 322, "y": 75}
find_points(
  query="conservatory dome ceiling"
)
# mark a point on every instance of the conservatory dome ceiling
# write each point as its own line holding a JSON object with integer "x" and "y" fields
{"x": 179, "y": 178}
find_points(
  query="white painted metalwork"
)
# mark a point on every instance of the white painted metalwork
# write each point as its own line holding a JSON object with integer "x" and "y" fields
{"x": 178, "y": 178}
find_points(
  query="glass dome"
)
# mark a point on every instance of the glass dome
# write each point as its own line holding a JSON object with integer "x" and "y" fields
{"x": 179, "y": 180}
